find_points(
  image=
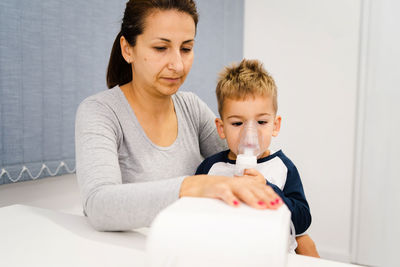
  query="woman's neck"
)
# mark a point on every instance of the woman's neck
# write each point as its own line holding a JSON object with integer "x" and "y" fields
{"x": 156, "y": 114}
{"x": 144, "y": 102}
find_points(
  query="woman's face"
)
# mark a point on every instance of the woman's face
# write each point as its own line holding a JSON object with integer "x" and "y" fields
{"x": 163, "y": 54}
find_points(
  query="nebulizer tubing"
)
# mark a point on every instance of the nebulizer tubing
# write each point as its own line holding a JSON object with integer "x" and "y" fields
{"x": 248, "y": 148}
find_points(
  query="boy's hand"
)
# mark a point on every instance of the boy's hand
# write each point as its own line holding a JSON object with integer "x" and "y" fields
{"x": 255, "y": 175}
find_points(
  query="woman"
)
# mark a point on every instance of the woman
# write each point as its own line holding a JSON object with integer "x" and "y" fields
{"x": 138, "y": 144}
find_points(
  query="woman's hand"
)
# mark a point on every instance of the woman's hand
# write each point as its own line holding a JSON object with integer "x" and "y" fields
{"x": 231, "y": 190}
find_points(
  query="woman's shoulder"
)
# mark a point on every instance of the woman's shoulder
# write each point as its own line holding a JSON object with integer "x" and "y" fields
{"x": 190, "y": 102}
{"x": 186, "y": 96}
{"x": 104, "y": 97}
{"x": 104, "y": 100}
{"x": 104, "y": 105}
{"x": 196, "y": 111}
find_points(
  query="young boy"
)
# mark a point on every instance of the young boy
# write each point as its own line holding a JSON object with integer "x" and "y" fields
{"x": 247, "y": 93}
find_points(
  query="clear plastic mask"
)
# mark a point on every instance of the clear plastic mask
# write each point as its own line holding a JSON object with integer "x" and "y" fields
{"x": 249, "y": 139}
{"x": 248, "y": 148}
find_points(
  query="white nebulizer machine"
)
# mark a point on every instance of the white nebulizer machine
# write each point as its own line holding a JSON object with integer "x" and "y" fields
{"x": 199, "y": 232}
{"x": 248, "y": 148}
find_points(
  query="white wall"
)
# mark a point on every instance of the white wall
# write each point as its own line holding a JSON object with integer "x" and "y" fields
{"x": 377, "y": 213}
{"x": 311, "y": 49}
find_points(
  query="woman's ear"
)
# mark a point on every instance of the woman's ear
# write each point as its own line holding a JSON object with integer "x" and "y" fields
{"x": 220, "y": 127}
{"x": 277, "y": 126}
{"x": 126, "y": 50}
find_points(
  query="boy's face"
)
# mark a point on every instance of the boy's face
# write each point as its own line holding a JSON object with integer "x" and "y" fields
{"x": 236, "y": 112}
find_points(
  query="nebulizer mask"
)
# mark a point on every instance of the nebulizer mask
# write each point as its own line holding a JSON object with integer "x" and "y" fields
{"x": 249, "y": 147}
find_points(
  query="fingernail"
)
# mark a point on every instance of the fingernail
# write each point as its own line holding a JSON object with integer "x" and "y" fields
{"x": 272, "y": 203}
{"x": 261, "y": 203}
{"x": 277, "y": 200}
{"x": 235, "y": 203}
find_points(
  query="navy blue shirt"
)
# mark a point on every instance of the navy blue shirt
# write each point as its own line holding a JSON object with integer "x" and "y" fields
{"x": 280, "y": 173}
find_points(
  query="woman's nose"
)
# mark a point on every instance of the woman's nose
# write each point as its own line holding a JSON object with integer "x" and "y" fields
{"x": 176, "y": 62}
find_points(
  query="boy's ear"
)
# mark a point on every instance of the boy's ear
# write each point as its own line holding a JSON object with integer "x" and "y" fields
{"x": 277, "y": 126}
{"x": 220, "y": 127}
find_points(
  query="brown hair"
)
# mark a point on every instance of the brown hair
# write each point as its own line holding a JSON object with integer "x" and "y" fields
{"x": 119, "y": 72}
{"x": 248, "y": 78}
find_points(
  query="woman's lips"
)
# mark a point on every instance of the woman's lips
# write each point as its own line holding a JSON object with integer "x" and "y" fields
{"x": 171, "y": 79}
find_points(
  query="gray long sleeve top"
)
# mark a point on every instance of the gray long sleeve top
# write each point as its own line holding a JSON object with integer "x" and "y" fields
{"x": 124, "y": 178}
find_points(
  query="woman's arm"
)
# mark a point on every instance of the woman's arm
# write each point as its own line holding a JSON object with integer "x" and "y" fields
{"x": 109, "y": 204}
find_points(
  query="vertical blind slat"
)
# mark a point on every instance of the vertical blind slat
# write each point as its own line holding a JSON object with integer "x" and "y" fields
{"x": 11, "y": 71}
{"x": 32, "y": 82}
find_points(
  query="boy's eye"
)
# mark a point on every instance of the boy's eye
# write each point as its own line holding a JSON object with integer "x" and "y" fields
{"x": 237, "y": 123}
{"x": 262, "y": 122}
{"x": 160, "y": 48}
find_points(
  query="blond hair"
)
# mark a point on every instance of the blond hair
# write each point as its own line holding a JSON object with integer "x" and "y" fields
{"x": 248, "y": 78}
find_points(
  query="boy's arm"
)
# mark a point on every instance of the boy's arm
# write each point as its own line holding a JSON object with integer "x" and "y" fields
{"x": 294, "y": 198}
{"x": 306, "y": 246}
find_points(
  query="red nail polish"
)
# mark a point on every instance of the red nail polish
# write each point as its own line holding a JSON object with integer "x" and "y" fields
{"x": 260, "y": 203}
{"x": 277, "y": 200}
{"x": 235, "y": 203}
{"x": 272, "y": 203}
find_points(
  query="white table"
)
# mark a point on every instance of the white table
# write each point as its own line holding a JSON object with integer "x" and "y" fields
{"x": 32, "y": 236}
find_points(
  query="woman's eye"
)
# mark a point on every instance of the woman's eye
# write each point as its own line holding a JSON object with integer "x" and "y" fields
{"x": 237, "y": 123}
{"x": 160, "y": 48}
{"x": 186, "y": 49}
{"x": 262, "y": 122}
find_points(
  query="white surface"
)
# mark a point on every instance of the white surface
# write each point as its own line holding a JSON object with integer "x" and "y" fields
{"x": 59, "y": 193}
{"x": 39, "y": 237}
{"x": 33, "y": 236}
{"x": 200, "y": 232}
{"x": 377, "y": 235}
{"x": 304, "y": 261}
{"x": 311, "y": 49}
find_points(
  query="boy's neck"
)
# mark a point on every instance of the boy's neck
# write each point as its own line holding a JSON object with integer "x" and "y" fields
{"x": 232, "y": 156}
